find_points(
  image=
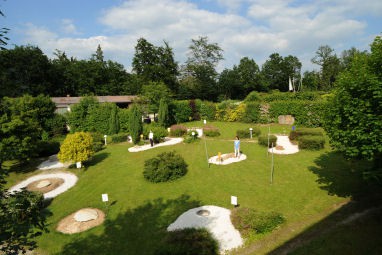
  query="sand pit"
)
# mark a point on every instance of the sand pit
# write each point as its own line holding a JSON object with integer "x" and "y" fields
{"x": 168, "y": 141}
{"x": 81, "y": 220}
{"x": 226, "y": 159}
{"x": 50, "y": 184}
{"x": 284, "y": 146}
{"x": 216, "y": 220}
{"x": 52, "y": 163}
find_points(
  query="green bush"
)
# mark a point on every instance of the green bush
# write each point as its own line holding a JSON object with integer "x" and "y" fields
{"x": 211, "y": 131}
{"x": 118, "y": 138}
{"x": 294, "y": 135}
{"x": 263, "y": 140}
{"x": 123, "y": 116}
{"x": 135, "y": 124}
{"x": 56, "y": 126}
{"x": 252, "y": 113}
{"x": 207, "y": 110}
{"x": 159, "y": 132}
{"x": 181, "y": 111}
{"x": 178, "y": 130}
{"x": 188, "y": 241}
{"x": 47, "y": 148}
{"x": 287, "y": 96}
{"x": 245, "y": 133}
{"x": 167, "y": 166}
{"x": 252, "y": 97}
{"x": 311, "y": 142}
{"x": 249, "y": 221}
{"x": 98, "y": 141}
{"x": 189, "y": 138}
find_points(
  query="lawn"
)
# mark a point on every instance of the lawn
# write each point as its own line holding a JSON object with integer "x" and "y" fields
{"x": 139, "y": 211}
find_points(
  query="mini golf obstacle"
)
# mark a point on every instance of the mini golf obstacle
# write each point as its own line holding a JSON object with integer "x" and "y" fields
{"x": 50, "y": 185}
{"x": 284, "y": 146}
{"x": 216, "y": 220}
{"x": 228, "y": 158}
{"x": 81, "y": 220}
{"x": 168, "y": 141}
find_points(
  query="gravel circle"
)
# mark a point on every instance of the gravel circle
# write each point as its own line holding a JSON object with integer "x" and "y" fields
{"x": 69, "y": 181}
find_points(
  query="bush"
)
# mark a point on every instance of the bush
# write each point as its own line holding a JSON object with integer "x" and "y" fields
{"x": 123, "y": 116}
{"x": 135, "y": 124}
{"x": 263, "y": 140}
{"x": 207, "y": 110}
{"x": 159, "y": 132}
{"x": 211, "y": 131}
{"x": 118, "y": 138}
{"x": 252, "y": 113}
{"x": 252, "y": 97}
{"x": 56, "y": 126}
{"x": 249, "y": 221}
{"x": 189, "y": 138}
{"x": 311, "y": 142}
{"x": 181, "y": 111}
{"x": 188, "y": 241}
{"x": 178, "y": 130}
{"x": 167, "y": 166}
{"x": 47, "y": 148}
{"x": 76, "y": 147}
{"x": 294, "y": 135}
{"x": 245, "y": 133}
{"x": 98, "y": 141}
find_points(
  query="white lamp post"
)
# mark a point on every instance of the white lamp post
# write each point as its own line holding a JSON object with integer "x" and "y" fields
{"x": 250, "y": 132}
{"x": 105, "y": 136}
{"x": 205, "y": 121}
{"x": 193, "y": 135}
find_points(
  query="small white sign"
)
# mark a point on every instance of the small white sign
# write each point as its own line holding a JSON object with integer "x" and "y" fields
{"x": 233, "y": 200}
{"x": 105, "y": 198}
{"x": 205, "y": 121}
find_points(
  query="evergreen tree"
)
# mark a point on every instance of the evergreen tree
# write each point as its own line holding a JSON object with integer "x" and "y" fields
{"x": 135, "y": 123}
{"x": 163, "y": 117}
{"x": 114, "y": 121}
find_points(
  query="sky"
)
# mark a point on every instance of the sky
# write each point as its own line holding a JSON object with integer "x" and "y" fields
{"x": 242, "y": 28}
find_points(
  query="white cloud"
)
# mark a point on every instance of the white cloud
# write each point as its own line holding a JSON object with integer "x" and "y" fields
{"x": 68, "y": 27}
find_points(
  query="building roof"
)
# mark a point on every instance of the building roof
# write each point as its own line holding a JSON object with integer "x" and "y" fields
{"x": 101, "y": 99}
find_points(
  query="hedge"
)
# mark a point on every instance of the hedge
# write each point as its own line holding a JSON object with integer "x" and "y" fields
{"x": 282, "y": 96}
{"x": 311, "y": 142}
{"x": 181, "y": 111}
{"x": 211, "y": 131}
{"x": 294, "y": 135}
{"x": 178, "y": 130}
{"x": 207, "y": 110}
{"x": 119, "y": 138}
{"x": 245, "y": 133}
{"x": 263, "y": 140}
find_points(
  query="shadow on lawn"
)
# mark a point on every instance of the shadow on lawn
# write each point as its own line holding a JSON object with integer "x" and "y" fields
{"x": 98, "y": 158}
{"x": 137, "y": 231}
{"x": 360, "y": 236}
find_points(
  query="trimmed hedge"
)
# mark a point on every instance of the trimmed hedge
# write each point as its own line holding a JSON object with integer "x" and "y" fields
{"x": 245, "y": 133}
{"x": 249, "y": 221}
{"x": 211, "y": 131}
{"x": 118, "y": 138}
{"x": 294, "y": 135}
{"x": 178, "y": 130}
{"x": 310, "y": 142}
{"x": 188, "y": 241}
{"x": 252, "y": 112}
{"x": 167, "y": 166}
{"x": 263, "y": 140}
{"x": 207, "y": 110}
{"x": 98, "y": 141}
{"x": 159, "y": 132}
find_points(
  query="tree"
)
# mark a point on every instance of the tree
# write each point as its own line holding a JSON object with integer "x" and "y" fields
{"x": 78, "y": 115}
{"x": 353, "y": 119}
{"x": 3, "y": 35}
{"x": 135, "y": 123}
{"x": 77, "y": 147}
{"x": 113, "y": 120}
{"x": 229, "y": 85}
{"x": 152, "y": 93}
{"x": 163, "y": 117}
{"x": 249, "y": 74}
{"x": 273, "y": 73}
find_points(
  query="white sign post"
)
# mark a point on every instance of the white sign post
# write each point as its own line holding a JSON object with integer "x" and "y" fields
{"x": 105, "y": 136}
{"x": 250, "y": 132}
{"x": 234, "y": 201}
{"x": 105, "y": 199}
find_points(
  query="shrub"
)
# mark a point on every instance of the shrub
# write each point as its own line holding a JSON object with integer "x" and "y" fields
{"x": 249, "y": 221}
{"x": 252, "y": 113}
{"x": 118, "y": 138}
{"x": 294, "y": 135}
{"x": 207, "y": 110}
{"x": 178, "y": 130}
{"x": 263, "y": 140}
{"x": 252, "y": 97}
{"x": 98, "y": 141}
{"x": 135, "y": 124}
{"x": 188, "y": 241}
{"x": 47, "y": 148}
{"x": 167, "y": 166}
{"x": 181, "y": 111}
{"x": 246, "y": 133}
{"x": 163, "y": 117}
{"x": 311, "y": 142}
{"x": 76, "y": 147}
{"x": 211, "y": 131}
{"x": 159, "y": 132}
{"x": 194, "y": 110}
{"x": 189, "y": 138}
{"x": 123, "y": 115}
{"x": 56, "y": 126}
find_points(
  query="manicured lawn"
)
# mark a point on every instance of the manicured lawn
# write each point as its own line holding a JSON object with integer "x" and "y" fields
{"x": 140, "y": 211}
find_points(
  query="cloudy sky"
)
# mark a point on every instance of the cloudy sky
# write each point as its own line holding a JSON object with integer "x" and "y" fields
{"x": 242, "y": 28}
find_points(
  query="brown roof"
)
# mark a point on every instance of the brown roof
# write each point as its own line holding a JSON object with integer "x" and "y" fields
{"x": 101, "y": 99}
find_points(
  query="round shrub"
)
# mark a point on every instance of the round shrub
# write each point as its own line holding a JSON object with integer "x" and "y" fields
{"x": 252, "y": 97}
{"x": 263, "y": 140}
{"x": 167, "y": 166}
{"x": 188, "y": 241}
{"x": 211, "y": 131}
{"x": 178, "y": 130}
{"x": 245, "y": 133}
{"x": 311, "y": 142}
{"x": 249, "y": 221}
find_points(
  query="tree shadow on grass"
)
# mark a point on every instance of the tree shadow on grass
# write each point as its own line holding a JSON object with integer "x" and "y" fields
{"x": 137, "y": 231}
{"x": 98, "y": 158}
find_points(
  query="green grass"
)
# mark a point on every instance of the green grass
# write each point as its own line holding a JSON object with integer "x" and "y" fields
{"x": 140, "y": 211}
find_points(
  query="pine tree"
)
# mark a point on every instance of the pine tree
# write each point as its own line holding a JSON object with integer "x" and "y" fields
{"x": 135, "y": 124}
{"x": 163, "y": 117}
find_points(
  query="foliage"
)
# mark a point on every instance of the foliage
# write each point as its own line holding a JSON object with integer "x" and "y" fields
{"x": 77, "y": 117}
{"x": 188, "y": 241}
{"x": 211, "y": 131}
{"x": 21, "y": 220}
{"x": 245, "y": 133}
{"x": 230, "y": 111}
{"x": 159, "y": 132}
{"x": 118, "y": 138}
{"x": 77, "y": 147}
{"x": 310, "y": 142}
{"x": 181, "y": 111}
{"x": 47, "y": 148}
{"x": 252, "y": 97}
{"x": 194, "y": 109}
{"x": 263, "y": 140}
{"x": 207, "y": 110}
{"x": 113, "y": 120}
{"x": 98, "y": 141}
{"x": 123, "y": 116}
{"x": 178, "y": 130}
{"x": 189, "y": 138}
{"x": 135, "y": 124}
{"x": 152, "y": 93}
{"x": 353, "y": 118}
{"x": 249, "y": 221}
{"x": 294, "y": 135}
{"x": 56, "y": 125}
{"x": 252, "y": 112}
{"x": 167, "y": 166}
{"x": 163, "y": 113}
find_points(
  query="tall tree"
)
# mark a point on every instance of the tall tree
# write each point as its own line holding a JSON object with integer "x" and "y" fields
{"x": 250, "y": 77}
{"x": 3, "y": 35}
{"x": 353, "y": 119}
{"x": 135, "y": 123}
{"x": 273, "y": 72}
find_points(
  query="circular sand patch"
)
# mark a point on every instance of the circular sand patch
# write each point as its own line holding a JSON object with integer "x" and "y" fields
{"x": 59, "y": 183}
{"x": 45, "y": 185}
{"x": 69, "y": 224}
